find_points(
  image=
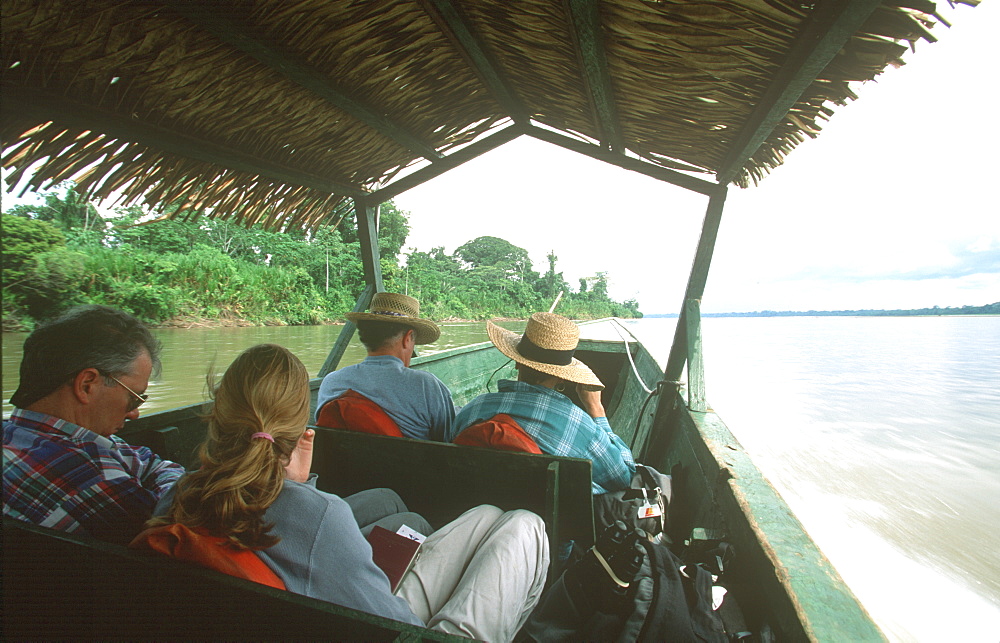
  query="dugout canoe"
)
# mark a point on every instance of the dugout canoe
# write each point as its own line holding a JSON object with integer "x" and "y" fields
{"x": 782, "y": 582}
{"x": 294, "y": 115}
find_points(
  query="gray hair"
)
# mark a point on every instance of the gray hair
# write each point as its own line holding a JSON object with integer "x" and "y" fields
{"x": 98, "y": 337}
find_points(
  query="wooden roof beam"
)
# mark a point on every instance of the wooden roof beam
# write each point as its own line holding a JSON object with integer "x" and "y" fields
{"x": 222, "y": 21}
{"x": 449, "y": 162}
{"x": 827, "y": 30}
{"x": 18, "y": 101}
{"x": 589, "y": 42}
{"x": 693, "y": 183}
{"x": 455, "y": 26}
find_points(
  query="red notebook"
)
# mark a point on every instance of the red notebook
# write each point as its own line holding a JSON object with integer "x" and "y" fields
{"x": 393, "y": 553}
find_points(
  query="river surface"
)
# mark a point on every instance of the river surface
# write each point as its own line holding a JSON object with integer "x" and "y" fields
{"x": 882, "y": 434}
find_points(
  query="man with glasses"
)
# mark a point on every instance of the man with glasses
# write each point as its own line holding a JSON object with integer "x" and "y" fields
{"x": 81, "y": 377}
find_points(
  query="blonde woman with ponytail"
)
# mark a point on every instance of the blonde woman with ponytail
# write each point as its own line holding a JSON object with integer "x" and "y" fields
{"x": 479, "y": 576}
{"x": 254, "y": 429}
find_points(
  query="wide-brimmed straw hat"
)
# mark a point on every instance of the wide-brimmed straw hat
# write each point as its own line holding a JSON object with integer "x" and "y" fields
{"x": 399, "y": 309}
{"x": 547, "y": 345}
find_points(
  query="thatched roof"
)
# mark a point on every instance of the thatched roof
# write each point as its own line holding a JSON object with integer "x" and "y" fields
{"x": 280, "y": 110}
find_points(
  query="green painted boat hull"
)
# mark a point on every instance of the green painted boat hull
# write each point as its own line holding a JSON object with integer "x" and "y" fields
{"x": 780, "y": 578}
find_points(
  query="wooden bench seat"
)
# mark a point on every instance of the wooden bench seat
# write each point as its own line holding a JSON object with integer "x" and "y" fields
{"x": 440, "y": 481}
{"x": 59, "y": 586}
{"x": 64, "y": 587}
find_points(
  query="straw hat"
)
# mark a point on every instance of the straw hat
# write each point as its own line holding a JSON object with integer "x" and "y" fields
{"x": 399, "y": 309}
{"x": 547, "y": 346}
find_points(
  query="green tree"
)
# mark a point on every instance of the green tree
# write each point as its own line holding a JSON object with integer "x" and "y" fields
{"x": 553, "y": 282}
{"x": 24, "y": 239}
{"x": 393, "y": 230}
{"x": 68, "y": 210}
{"x": 493, "y": 251}
{"x": 52, "y": 282}
{"x": 162, "y": 236}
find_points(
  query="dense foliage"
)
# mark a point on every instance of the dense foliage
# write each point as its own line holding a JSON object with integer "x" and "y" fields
{"x": 63, "y": 252}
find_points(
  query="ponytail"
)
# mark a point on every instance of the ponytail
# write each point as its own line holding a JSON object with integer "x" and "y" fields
{"x": 265, "y": 392}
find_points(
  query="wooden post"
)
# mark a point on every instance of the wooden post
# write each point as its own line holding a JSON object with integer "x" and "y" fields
{"x": 367, "y": 218}
{"x": 346, "y": 334}
{"x": 696, "y": 282}
{"x": 696, "y": 370}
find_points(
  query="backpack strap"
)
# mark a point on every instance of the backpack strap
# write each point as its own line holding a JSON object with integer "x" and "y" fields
{"x": 355, "y": 412}
{"x": 499, "y": 432}
{"x": 197, "y": 546}
{"x": 653, "y": 480}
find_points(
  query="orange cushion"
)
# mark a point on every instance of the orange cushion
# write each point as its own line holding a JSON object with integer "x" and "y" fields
{"x": 499, "y": 432}
{"x": 354, "y": 411}
{"x": 198, "y": 547}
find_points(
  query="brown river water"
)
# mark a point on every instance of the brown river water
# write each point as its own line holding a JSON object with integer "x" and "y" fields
{"x": 882, "y": 434}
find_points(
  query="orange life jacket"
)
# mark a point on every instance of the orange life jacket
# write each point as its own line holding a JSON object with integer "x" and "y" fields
{"x": 499, "y": 432}
{"x": 198, "y": 547}
{"x": 354, "y": 411}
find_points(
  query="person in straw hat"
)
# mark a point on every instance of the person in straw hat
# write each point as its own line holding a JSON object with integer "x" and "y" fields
{"x": 536, "y": 401}
{"x": 419, "y": 403}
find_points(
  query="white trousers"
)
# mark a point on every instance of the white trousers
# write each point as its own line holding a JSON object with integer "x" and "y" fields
{"x": 480, "y": 575}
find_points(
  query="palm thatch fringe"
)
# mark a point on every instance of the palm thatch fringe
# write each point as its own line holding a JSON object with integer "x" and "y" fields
{"x": 289, "y": 109}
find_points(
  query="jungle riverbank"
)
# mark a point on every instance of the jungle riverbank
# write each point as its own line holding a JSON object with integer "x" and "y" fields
{"x": 205, "y": 272}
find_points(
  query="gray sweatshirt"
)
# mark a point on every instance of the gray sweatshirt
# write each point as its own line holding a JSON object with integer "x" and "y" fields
{"x": 322, "y": 553}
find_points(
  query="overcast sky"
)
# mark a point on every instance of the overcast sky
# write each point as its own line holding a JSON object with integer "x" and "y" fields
{"x": 893, "y": 206}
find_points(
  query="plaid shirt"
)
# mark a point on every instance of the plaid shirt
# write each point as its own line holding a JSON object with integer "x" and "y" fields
{"x": 559, "y": 427}
{"x": 60, "y": 475}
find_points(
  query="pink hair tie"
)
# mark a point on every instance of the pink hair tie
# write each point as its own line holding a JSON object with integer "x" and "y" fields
{"x": 266, "y": 436}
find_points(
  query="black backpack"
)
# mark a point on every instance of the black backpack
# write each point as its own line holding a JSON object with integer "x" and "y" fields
{"x": 666, "y": 601}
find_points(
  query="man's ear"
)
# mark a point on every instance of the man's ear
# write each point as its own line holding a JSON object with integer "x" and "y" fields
{"x": 85, "y": 384}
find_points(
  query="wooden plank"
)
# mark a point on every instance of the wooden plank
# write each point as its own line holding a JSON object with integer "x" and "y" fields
{"x": 467, "y": 370}
{"x": 696, "y": 368}
{"x": 827, "y": 30}
{"x": 449, "y": 162}
{"x": 441, "y": 481}
{"x": 779, "y": 576}
{"x": 21, "y": 102}
{"x": 785, "y": 568}
{"x": 658, "y": 172}
{"x": 586, "y": 19}
{"x": 65, "y": 587}
{"x": 696, "y": 282}
{"x": 366, "y": 213}
{"x": 226, "y": 23}
{"x": 639, "y": 401}
{"x": 367, "y": 221}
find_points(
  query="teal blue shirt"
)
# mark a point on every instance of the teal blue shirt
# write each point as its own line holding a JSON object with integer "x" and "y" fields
{"x": 559, "y": 427}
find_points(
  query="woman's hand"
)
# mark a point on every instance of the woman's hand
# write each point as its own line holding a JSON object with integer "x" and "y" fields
{"x": 590, "y": 400}
{"x": 300, "y": 462}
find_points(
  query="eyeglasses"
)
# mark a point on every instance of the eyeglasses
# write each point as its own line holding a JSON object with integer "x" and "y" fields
{"x": 139, "y": 399}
